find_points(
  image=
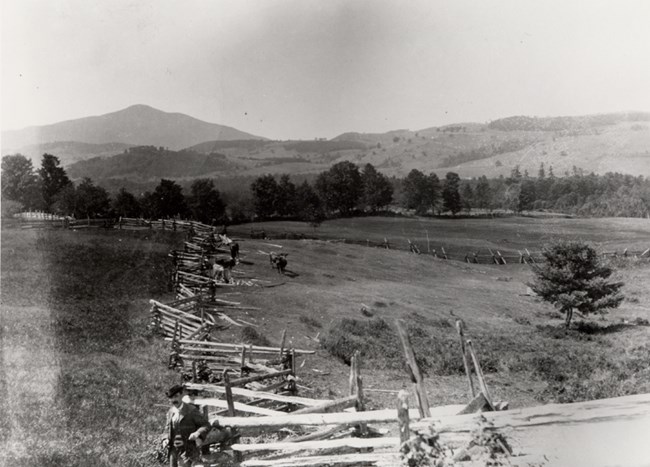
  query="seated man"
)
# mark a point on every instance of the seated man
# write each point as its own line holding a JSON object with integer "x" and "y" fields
{"x": 186, "y": 430}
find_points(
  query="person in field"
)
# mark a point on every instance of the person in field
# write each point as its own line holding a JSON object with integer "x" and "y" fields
{"x": 234, "y": 250}
{"x": 186, "y": 429}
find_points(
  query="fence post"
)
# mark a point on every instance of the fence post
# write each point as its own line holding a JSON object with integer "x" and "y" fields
{"x": 284, "y": 335}
{"x": 468, "y": 370}
{"x": 243, "y": 360}
{"x": 229, "y": 399}
{"x": 479, "y": 374}
{"x": 414, "y": 370}
{"x": 403, "y": 417}
{"x": 356, "y": 387}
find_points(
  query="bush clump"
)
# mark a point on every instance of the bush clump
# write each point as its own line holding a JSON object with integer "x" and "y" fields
{"x": 250, "y": 335}
{"x": 374, "y": 339}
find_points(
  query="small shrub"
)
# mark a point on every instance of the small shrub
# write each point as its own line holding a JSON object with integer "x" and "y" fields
{"x": 584, "y": 376}
{"x": 366, "y": 312}
{"x": 374, "y": 339}
{"x": 250, "y": 335}
{"x": 309, "y": 321}
{"x": 523, "y": 320}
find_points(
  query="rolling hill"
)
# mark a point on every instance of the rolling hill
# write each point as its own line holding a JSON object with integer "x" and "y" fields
{"x": 136, "y": 125}
{"x": 616, "y": 142}
{"x": 147, "y": 163}
{"x": 598, "y": 143}
{"x": 70, "y": 152}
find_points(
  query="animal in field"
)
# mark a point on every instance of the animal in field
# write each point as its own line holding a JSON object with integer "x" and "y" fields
{"x": 222, "y": 269}
{"x": 234, "y": 250}
{"x": 278, "y": 261}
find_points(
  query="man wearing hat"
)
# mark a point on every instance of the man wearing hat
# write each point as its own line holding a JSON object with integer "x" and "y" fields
{"x": 186, "y": 429}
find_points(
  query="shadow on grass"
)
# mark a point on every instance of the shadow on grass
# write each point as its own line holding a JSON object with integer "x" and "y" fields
{"x": 582, "y": 330}
{"x": 99, "y": 285}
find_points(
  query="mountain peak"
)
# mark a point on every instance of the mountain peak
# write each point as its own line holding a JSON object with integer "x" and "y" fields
{"x": 138, "y": 125}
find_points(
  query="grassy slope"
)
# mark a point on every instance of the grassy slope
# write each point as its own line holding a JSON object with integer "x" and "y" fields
{"x": 83, "y": 377}
{"x": 336, "y": 279}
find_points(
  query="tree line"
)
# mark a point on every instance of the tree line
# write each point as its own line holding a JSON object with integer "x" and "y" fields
{"x": 343, "y": 190}
{"x": 49, "y": 188}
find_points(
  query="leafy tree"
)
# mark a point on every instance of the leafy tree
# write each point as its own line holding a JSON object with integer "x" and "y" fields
{"x": 65, "y": 201}
{"x": 168, "y": 200}
{"x": 148, "y": 205}
{"x": 265, "y": 195}
{"x": 205, "y": 203}
{"x": 377, "y": 189}
{"x": 286, "y": 197}
{"x": 19, "y": 181}
{"x": 53, "y": 178}
{"x": 573, "y": 278}
{"x": 340, "y": 187}
{"x": 92, "y": 200}
{"x": 308, "y": 205}
{"x": 450, "y": 195}
{"x": 421, "y": 191}
{"x": 125, "y": 204}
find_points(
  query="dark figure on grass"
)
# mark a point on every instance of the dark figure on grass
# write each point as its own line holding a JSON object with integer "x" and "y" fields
{"x": 278, "y": 261}
{"x": 234, "y": 250}
{"x": 186, "y": 430}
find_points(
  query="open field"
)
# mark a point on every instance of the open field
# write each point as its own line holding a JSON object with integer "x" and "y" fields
{"x": 462, "y": 235}
{"x": 82, "y": 381}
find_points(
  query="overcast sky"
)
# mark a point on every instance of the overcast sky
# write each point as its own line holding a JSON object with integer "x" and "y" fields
{"x": 303, "y": 69}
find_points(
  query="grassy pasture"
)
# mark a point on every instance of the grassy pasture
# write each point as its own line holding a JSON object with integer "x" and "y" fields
{"x": 463, "y": 235}
{"x": 82, "y": 381}
{"x": 80, "y": 374}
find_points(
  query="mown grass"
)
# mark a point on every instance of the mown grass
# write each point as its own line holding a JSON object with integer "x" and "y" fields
{"x": 460, "y": 236}
{"x": 84, "y": 380}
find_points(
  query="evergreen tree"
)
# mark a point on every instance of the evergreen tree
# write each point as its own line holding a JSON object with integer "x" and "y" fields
{"x": 413, "y": 190}
{"x": 467, "y": 196}
{"x": 515, "y": 173}
{"x": 541, "y": 174}
{"x": 527, "y": 196}
{"x": 572, "y": 278}
{"x": 450, "y": 195}
{"x": 53, "y": 178}
{"x": 483, "y": 193}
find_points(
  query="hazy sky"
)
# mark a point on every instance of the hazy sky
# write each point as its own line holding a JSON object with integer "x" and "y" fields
{"x": 304, "y": 69}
